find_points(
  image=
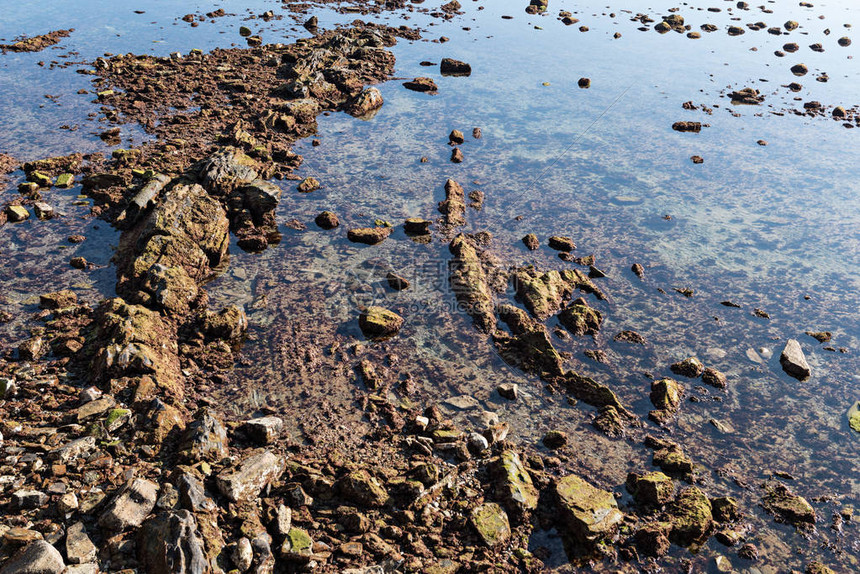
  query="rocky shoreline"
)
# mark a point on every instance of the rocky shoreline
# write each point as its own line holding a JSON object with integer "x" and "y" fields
{"x": 116, "y": 462}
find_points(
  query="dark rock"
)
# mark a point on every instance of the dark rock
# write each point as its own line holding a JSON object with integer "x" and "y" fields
{"x": 561, "y": 243}
{"x": 327, "y": 220}
{"x": 421, "y": 85}
{"x": 451, "y": 67}
{"x": 508, "y": 391}
{"x": 457, "y": 155}
{"x": 456, "y": 137}
{"x": 652, "y": 490}
{"x": 799, "y": 70}
{"x": 690, "y": 367}
{"x": 397, "y": 282}
{"x": 263, "y": 430}
{"x": 531, "y": 241}
{"x": 581, "y": 319}
{"x": 555, "y": 439}
{"x": 690, "y": 515}
{"x": 416, "y": 226}
{"x": 360, "y": 487}
{"x": 725, "y": 509}
{"x": 687, "y": 127}
{"x": 584, "y": 83}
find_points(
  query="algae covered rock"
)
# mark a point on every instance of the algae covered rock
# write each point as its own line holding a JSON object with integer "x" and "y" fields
{"x": 854, "y": 416}
{"x": 360, "y": 487}
{"x": 298, "y": 545}
{"x": 786, "y": 506}
{"x": 514, "y": 485}
{"x": 469, "y": 283}
{"x": 725, "y": 509}
{"x": 587, "y": 513}
{"x": 581, "y": 319}
{"x": 691, "y": 516}
{"x": 379, "y": 322}
{"x": 491, "y": 523}
{"x": 690, "y": 367}
{"x": 653, "y": 489}
{"x": 666, "y": 394}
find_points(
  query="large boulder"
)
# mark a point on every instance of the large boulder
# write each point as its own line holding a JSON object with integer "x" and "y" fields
{"x": 586, "y": 513}
{"x": 38, "y": 557}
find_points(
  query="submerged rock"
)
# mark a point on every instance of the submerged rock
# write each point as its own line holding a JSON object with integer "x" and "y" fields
{"x": 469, "y": 283}
{"x": 327, "y": 220}
{"x": 421, "y": 85}
{"x": 793, "y": 360}
{"x": 491, "y": 523}
{"x": 786, "y": 506}
{"x": 531, "y": 241}
{"x": 379, "y": 322}
{"x": 586, "y": 513}
{"x": 714, "y": 378}
{"x": 369, "y": 100}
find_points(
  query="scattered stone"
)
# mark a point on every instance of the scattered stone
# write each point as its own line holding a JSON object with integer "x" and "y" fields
{"x": 416, "y": 226}
{"x": 638, "y": 270}
{"x": 308, "y": 185}
{"x": 379, "y": 322}
{"x": 555, "y": 439}
{"x": 799, "y": 69}
{"x": 561, "y": 243}
{"x": 457, "y": 155}
{"x": 79, "y": 548}
{"x": 421, "y": 85}
{"x": 360, "y": 487}
{"x": 793, "y": 360}
{"x": 531, "y": 241}
{"x": 514, "y": 484}
{"x": 697, "y": 159}
{"x": 714, "y": 378}
{"x": 725, "y": 509}
{"x": 652, "y": 490}
{"x": 16, "y": 213}
{"x": 695, "y": 127}
{"x": 508, "y": 391}
{"x": 629, "y": 337}
{"x": 584, "y": 83}
{"x": 456, "y": 137}
{"x": 845, "y": 41}
{"x": 43, "y": 210}
{"x": 690, "y": 514}
{"x": 78, "y": 262}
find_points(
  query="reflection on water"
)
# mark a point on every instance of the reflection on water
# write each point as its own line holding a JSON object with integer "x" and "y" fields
{"x": 767, "y": 227}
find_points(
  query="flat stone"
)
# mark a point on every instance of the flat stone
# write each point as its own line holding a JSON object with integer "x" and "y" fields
{"x": 247, "y": 480}
{"x": 75, "y": 449}
{"x": 95, "y": 408}
{"x": 130, "y": 506}
{"x": 43, "y": 210}
{"x": 793, "y": 360}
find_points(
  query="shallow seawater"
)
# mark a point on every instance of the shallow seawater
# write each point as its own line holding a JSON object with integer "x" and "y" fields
{"x": 767, "y": 227}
